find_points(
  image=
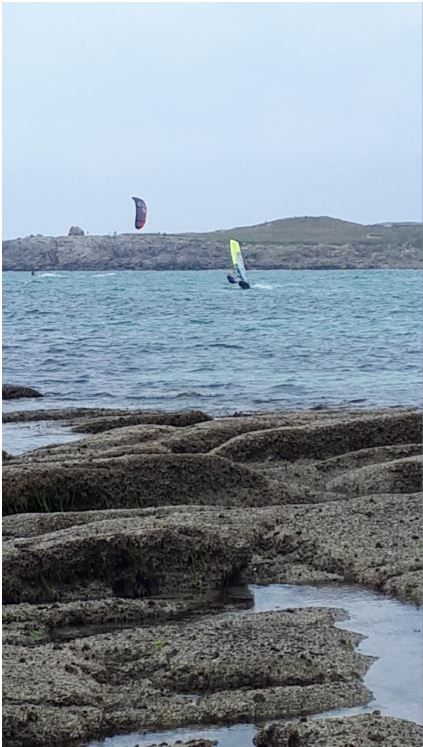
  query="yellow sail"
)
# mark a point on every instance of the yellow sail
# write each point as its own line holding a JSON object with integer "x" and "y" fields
{"x": 238, "y": 261}
{"x": 235, "y": 251}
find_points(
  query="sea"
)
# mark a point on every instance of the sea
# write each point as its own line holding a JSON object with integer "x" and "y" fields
{"x": 174, "y": 340}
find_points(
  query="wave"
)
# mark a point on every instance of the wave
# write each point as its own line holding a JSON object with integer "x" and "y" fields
{"x": 50, "y": 275}
{"x": 263, "y": 286}
{"x": 221, "y": 345}
{"x": 290, "y": 387}
{"x": 170, "y": 396}
{"x": 295, "y": 342}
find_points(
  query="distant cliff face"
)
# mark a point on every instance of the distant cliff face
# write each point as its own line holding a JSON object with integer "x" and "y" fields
{"x": 381, "y": 249}
{"x": 123, "y": 252}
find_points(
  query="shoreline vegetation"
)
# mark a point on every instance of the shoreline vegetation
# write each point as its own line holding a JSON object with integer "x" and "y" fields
{"x": 153, "y": 518}
{"x": 308, "y": 243}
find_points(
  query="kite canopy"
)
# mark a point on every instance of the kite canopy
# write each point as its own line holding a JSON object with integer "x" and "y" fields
{"x": 140, "y": 212}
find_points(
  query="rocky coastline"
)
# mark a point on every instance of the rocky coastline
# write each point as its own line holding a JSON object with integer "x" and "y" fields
{"x": 308, "y": 243}
{"x": 127, "y": 557}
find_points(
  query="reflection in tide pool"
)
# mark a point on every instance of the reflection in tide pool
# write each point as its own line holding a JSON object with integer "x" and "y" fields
{"x": 393, "y": 631}
{"x": 232, "y": 736}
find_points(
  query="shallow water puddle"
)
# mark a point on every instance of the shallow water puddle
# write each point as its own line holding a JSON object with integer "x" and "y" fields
{"x": 393, "y": 631}
{"x": 33, "y": 434}
{"x": 226, "y": 736}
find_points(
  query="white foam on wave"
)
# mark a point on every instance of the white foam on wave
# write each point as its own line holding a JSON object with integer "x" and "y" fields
{"x": 51, "y": 275}
{"x": 263, "y": 286}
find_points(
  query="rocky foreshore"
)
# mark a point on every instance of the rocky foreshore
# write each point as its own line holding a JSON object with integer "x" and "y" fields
{"x": 157, "y": 519}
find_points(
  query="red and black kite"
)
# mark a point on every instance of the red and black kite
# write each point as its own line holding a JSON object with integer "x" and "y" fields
{"x": 140, "y": 212}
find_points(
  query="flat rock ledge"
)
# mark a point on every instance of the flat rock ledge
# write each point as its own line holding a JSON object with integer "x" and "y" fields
{"x": 96, "y": 420}
{"x": 358, "y": 731}
{"x": 224, "y": 669}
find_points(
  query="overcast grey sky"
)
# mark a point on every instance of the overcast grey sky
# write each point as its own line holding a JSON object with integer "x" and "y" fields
{"x": 218, "y": 115}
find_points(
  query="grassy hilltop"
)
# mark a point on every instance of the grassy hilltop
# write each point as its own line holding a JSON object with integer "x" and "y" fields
{"x": 317, "y": 230}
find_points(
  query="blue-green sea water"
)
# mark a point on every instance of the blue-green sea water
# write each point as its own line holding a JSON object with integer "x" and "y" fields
{"x": 188, "y": 339}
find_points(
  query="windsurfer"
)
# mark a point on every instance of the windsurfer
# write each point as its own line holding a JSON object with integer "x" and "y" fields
{"x": 239, "y": 267}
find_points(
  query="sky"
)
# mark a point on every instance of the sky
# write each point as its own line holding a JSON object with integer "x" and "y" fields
{"x": 217, "y": 114}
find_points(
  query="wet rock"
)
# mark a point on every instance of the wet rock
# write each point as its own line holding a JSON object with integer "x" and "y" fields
{"x": 365, "y": 731}
{"x": 367, "y": 457}
{"x": 399, "y": 476}
{"x": 99, "y": 419}
{"x": 179, "y": 419}
{"x": 319, "y": 474}
{"x": 320, "y": 441}
{"x": 12, "y": 391}
{"x": 163, "y": 534}
{"x": 136, "y": 480}
{"x": 65, "y": 414}
{"x": 244, "y": 705}
{"x": 254, "y": 522}
{"x": 203, "y": 437}
{"x": 123, "y": 558}
{"x": 258, "y": 673}
{"x": 274, "y": 660}
{"x": 401, "y": 581}
{"x": 352, "y": 540}
{"x": 116, "y": 442}
{"x": 32, "y": 624}
{"x": 22, "y": 526}
{"x": 27, "y": 725}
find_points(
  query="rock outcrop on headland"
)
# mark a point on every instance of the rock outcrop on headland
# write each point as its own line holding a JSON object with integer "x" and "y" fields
{"x": 15, "y": 391}
{"x": 111, "y": 541}
{"x": 293, "y": 243}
